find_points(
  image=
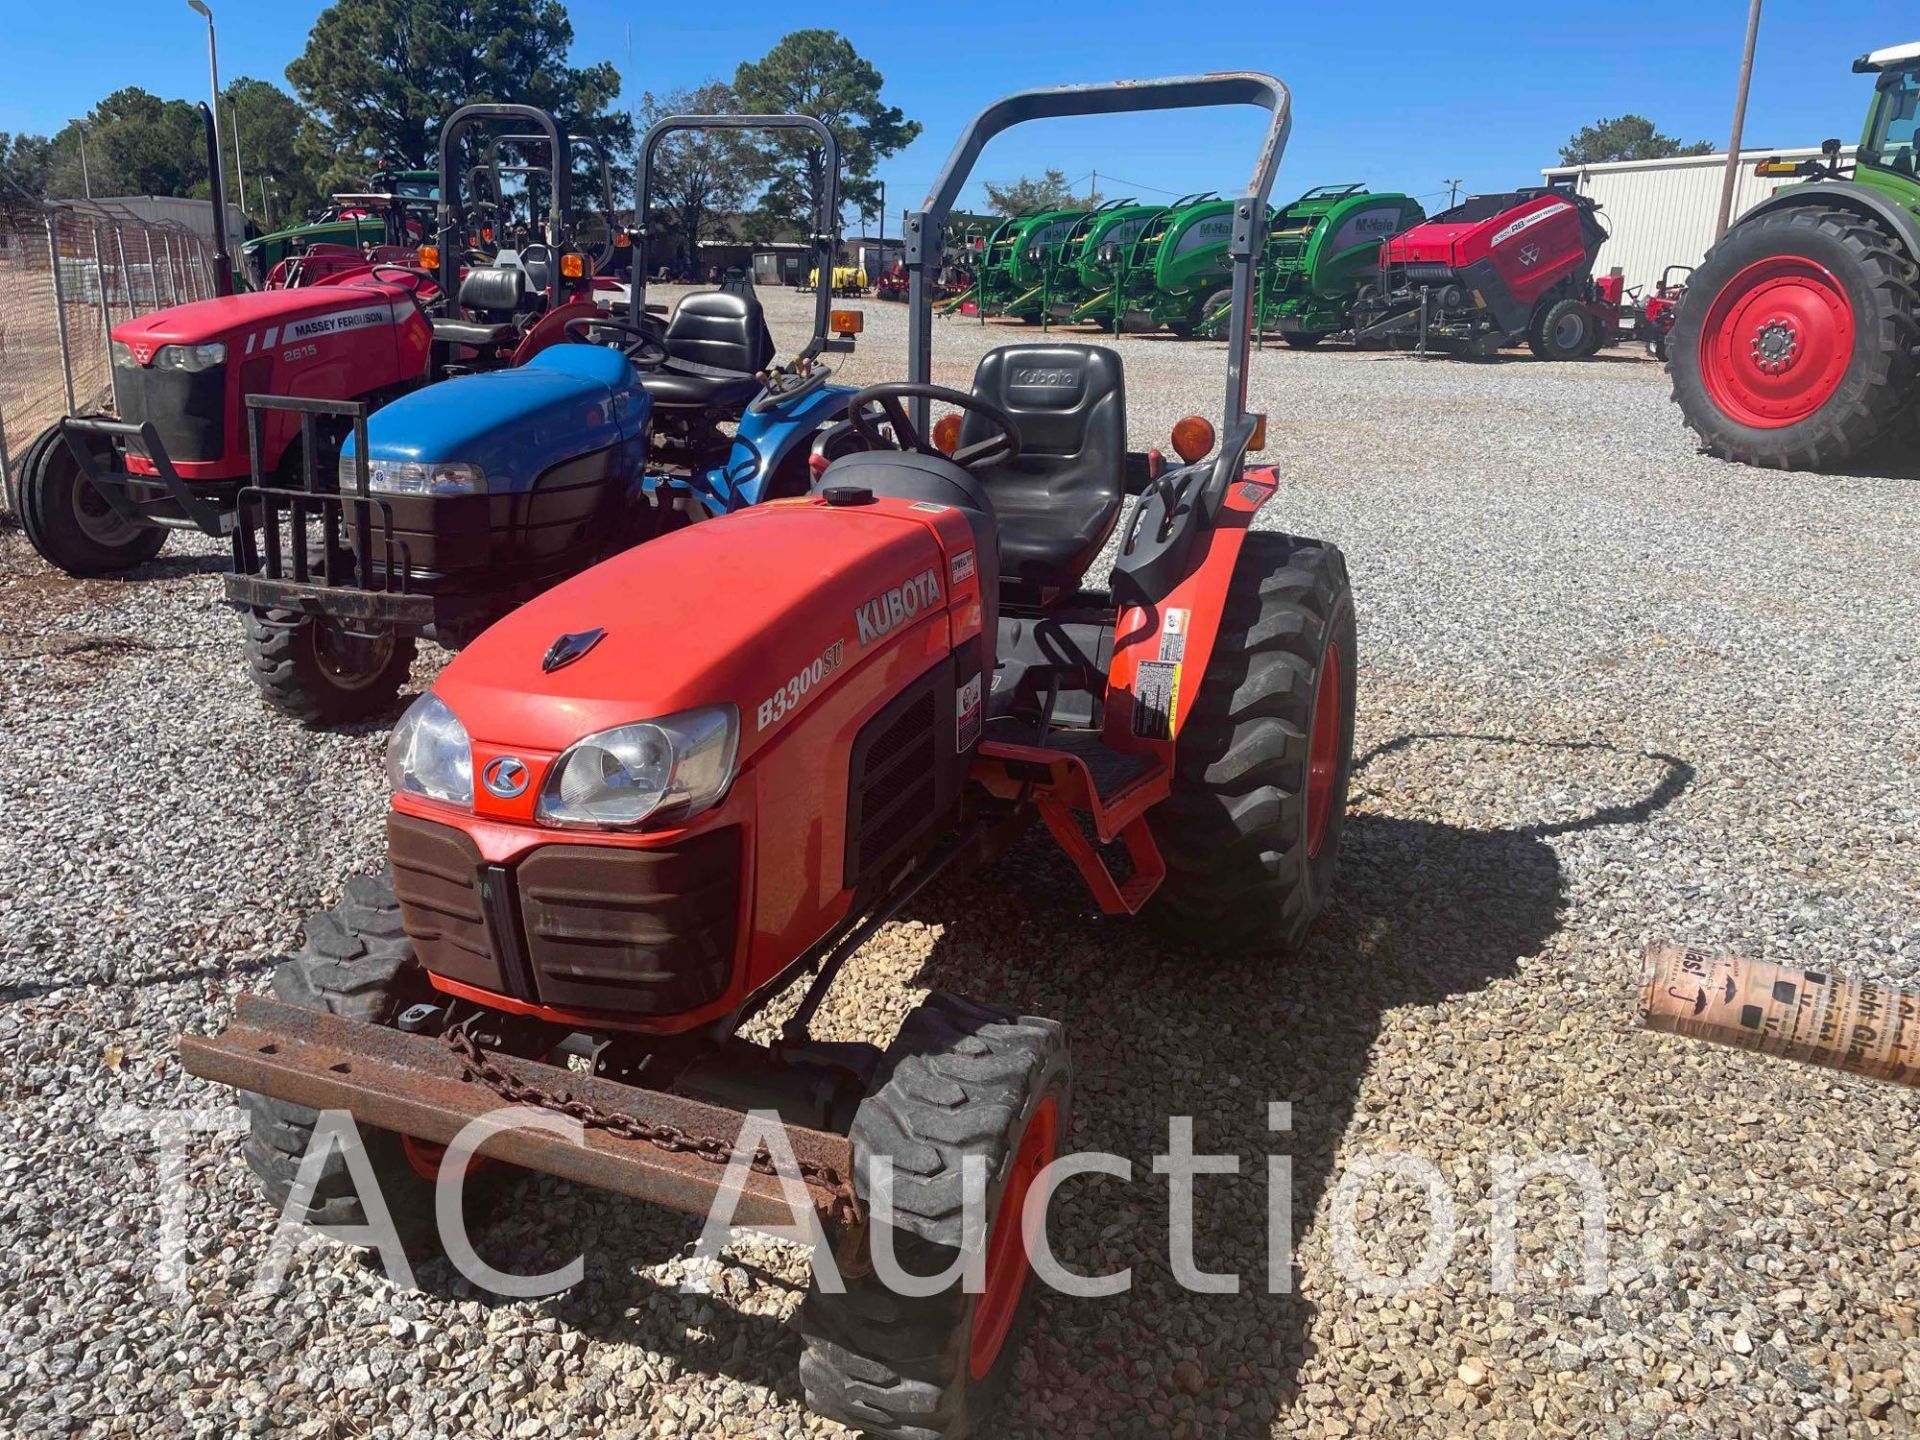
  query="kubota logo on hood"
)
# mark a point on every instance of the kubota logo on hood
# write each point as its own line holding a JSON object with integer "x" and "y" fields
{"x": 897, "y": 606}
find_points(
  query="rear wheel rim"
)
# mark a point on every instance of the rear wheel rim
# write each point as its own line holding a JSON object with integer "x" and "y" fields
{"x": 1007, "y": 1266}
{"x": 1323, "y": 750}
{"x": 1777, "y": 342}
{"x": 1569, "y": 331}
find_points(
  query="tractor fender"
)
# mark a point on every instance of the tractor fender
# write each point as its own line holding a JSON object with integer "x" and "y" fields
{"x": 776, "y": 435}
{"x": 1863, "y": 200}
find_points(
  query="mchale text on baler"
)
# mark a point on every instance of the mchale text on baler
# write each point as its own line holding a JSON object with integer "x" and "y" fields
{"x": 465, "y": 498}
{"x": 1798, "y": 342}
{"x": 655, "y": 797}
{"x": 1494, "y": 271}
{"x": 97, "y": 494}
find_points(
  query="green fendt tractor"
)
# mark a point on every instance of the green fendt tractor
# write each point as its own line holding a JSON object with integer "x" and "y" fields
{"x": 1796, "y": 345}
{"x": 1177, "y": 259}
{"x": 1320, "y": 250}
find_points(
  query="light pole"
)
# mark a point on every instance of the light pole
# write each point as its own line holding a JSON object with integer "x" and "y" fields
{"x": 239, "y": 170}
{"x": 213, "y": 68}
{"x": 1732, "y": 177}
{"x": 86, "y": 180}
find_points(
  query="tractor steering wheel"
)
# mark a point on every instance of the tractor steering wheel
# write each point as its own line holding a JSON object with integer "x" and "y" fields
{"x": 645, "y": 349}
{"x": 412, "y": 272}
{"x": 878, "y": 404}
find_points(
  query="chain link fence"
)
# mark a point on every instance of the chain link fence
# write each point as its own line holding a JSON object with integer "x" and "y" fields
{"x": 68, "y": 274}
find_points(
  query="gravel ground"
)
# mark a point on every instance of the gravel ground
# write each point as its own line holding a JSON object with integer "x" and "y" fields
{"x": 1611, "y": 690}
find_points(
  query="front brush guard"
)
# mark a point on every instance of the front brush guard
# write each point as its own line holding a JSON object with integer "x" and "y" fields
{"x": 416, "y": 1085}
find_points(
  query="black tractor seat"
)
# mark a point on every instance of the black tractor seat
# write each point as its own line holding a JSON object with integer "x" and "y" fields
{"x": 494, "y": 295}
{"x": 717, "y": 341}
{"x": 1060, "y": 498}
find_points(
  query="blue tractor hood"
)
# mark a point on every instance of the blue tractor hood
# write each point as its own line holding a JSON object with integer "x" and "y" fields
{"x": 567, "y": 401}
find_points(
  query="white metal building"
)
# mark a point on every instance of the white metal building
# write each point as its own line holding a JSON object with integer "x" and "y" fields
{"x": 1662, "y": 212}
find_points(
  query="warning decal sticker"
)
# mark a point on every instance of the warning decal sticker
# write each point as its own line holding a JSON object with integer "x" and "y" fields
{"x": 1173, "y": 635}
{"x": 1156, "y": 699}
{"x": 966, "y": 707}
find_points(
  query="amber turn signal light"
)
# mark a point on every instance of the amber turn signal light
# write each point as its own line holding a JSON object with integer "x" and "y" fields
{"x": 1192, "y": 438}
{"x": 847, "y": 322}
{"x": 946, "y": 434}
{"x": 429, "y": 257}
{"x": 573, "y": 266}
{"x": 1259, "y": 440}
{"x": 622, "y": 240}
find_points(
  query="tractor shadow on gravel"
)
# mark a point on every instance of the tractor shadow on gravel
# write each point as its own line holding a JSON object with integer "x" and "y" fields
{"x": 1422, "y": 912}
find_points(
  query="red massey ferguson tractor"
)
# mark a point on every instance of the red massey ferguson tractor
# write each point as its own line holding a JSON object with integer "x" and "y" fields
{"x": 97, "y": 494}
{"x": 657, "y": 796}
{"x": 1494, "y": 271}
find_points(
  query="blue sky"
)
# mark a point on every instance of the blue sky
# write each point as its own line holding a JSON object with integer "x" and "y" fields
{"x": 1396, "y": 94}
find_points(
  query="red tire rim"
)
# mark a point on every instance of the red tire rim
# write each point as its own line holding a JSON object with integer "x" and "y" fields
{"x": 1777, "y": 342}
{"x": 424, "y": 1156}
{"x": 1007, "y": 1266}
{"x": 1323, "y": 750}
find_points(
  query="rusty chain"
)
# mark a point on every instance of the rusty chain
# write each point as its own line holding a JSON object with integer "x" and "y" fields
{"x": 478, "y": 1066}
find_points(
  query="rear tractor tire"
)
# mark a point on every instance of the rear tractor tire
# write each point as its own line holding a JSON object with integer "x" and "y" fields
{"x": 1795, "y": 344}
{"x": 69, "y": 522}
{"x": 1564, "y": 330}
{"x": 318, "y": 672}
{"x": 959, "y": 1081}
{"x": 356, "y": 962}
{"x": 1251, "y": 833}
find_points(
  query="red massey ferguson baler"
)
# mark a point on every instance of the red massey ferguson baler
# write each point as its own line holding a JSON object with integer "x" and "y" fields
{"x": 1491, "y": 272}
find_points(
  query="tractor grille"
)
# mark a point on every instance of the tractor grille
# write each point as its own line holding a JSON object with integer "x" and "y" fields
{"x": 897, "y": 793}
{"x": 648, "y": 931}
{"x": 597, "y": 927}
{"x": 187, "y": 407}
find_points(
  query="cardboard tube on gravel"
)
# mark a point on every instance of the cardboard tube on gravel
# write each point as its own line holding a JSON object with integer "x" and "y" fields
{"x": 1812, "y": 1016}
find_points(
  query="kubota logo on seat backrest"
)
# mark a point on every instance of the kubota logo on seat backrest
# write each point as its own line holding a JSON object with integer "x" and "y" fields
{"x": 897, "y": 606}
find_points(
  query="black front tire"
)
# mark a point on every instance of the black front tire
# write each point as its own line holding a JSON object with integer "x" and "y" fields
{"x": 355, "y": 961}
{"x": 1245, "y": 869}
{"x": 320, "y": 674}
{"x": 1876, "y": 394}
{"x": 69, "y": 522}
{"x": 959, "y": 1080}
{"x": 1564, "y": 330}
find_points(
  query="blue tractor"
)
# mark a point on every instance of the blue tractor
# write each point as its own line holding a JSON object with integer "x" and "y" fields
{"x": 457, "y": 502}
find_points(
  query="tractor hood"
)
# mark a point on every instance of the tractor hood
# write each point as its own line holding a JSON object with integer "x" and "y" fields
{"x": 567, "y": 401}
{"x": 730, "y": 610}
{"x": 257, "y": 321}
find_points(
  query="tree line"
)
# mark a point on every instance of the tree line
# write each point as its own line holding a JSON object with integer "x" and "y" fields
{"x": 377, "y": 78}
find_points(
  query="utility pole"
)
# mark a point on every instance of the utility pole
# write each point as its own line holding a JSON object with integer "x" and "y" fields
{"x": 86, "y": 180}
{"x": 1453, "y": 192}
{"x": 1093, "y": 186}
{"x": 1732, "y": 176}
{"x": 239, "y": 170}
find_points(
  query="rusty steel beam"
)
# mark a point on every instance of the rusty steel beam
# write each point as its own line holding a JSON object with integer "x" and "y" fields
{"x": 414, "y": 1085}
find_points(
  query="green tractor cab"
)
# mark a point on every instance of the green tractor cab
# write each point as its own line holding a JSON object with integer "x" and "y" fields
{"x": 1320, "y": 250}
{"x": 1794, "y": 344}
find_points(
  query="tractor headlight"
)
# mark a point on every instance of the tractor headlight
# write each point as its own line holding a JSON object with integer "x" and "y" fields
{"x": 191, "y": 358}
{"x": 122, "y": 354}
{"x": 674, "y": 767}
{"x": 429, "y": 753}
{"x": 415, "y": 477}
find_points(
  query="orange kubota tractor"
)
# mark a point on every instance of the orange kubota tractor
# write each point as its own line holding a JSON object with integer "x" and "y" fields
{"x": 672, "y": 788}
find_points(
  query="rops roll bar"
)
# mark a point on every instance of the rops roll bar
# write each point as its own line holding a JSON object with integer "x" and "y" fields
{"x": 595, "y": 152}
{"x": 452, "y": 213}
{"x": 1115, "y": 97}
{"x": 826, "y": 219}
